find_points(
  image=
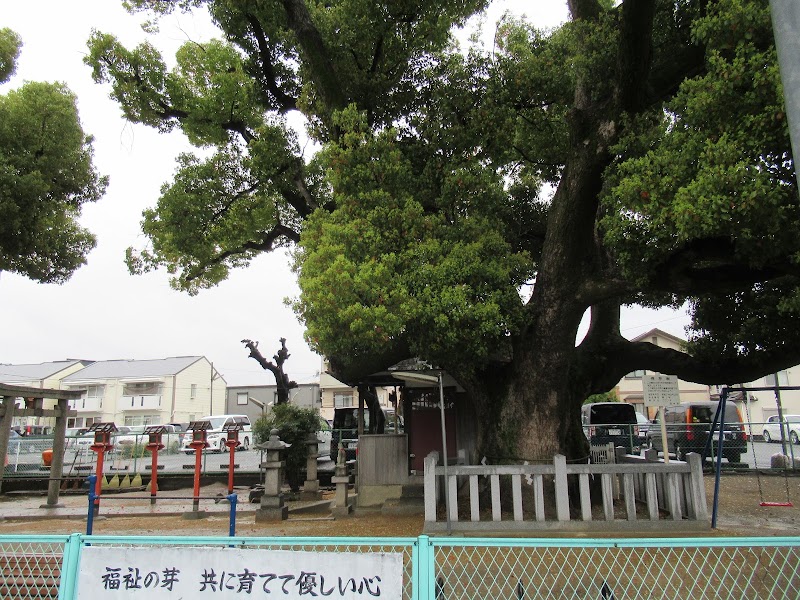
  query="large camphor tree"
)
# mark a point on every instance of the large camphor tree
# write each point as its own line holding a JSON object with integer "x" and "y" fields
{"x": 468, "y": 208}
{"x": 46, "y": 175}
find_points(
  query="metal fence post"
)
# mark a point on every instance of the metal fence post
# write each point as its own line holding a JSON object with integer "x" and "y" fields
{"x": 90, "y": 516}
{"x": 69, "y": 567}
{"x": 232, "y": 498}
{"x": 422, "y": 569}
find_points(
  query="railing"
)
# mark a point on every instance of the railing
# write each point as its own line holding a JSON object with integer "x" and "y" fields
{"x": 676, "y": 488}
{"x": 140, "y": 402}
{"x": 87, "y": 404}
{"x": 429, "y": 568}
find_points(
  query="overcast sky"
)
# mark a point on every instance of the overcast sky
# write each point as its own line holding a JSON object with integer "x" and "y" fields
{"x": 104, "y": 313}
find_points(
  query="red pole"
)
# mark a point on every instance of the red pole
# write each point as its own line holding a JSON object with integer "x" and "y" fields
{"x": 154, "y": 475}
{"x": 232, "y": 453}
{"x": 198, "y": 458}
{"x": 98, "y": 484}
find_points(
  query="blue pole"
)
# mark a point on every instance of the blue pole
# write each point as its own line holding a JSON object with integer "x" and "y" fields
{"x": 90, "y": 516}
{"x": 718, "y": 472}
{"x": 232, "y": 498}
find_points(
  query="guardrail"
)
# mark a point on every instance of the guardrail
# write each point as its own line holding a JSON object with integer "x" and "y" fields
{"x": 428, "y": 568}
{"x": 673, "y": 492}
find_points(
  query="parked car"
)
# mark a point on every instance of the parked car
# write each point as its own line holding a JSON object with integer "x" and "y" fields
{"x": 688, "y": 425}
{"x": 128, "y": 435}
{"x": 345, "y": 428}
{"x": 644, "y": 424}
{"x": 216, "y": 436}
{"x": 324, "y": 435}
{"x": 611, "y": 422}
{"x": 791, "y": 429}
{"x": 79, "y": 438}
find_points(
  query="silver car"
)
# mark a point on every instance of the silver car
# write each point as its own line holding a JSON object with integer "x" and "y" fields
{"x": 791, "y": 429}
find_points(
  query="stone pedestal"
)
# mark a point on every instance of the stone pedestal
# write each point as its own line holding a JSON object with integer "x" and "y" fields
{"x": 341, "y": 480}
{"x": 311, "y": 489}
{"x": 272, "y": 507}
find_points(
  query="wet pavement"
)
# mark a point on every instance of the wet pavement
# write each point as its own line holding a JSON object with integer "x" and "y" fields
{"x": 132, "y": 503}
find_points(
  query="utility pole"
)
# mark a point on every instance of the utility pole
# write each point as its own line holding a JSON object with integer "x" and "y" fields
{"x": 786, "y": 29}
{"x": 214, "y": 377}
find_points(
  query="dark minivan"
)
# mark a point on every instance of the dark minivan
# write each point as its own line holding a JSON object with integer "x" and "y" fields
{"x": 613, "y": 422}
{"x": 688, "y": 425}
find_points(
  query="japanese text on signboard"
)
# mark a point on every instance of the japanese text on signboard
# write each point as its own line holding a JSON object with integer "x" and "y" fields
{"x": 236, "y": 573}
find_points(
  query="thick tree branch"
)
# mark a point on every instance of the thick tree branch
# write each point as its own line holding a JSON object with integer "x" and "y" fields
{"x": 266, "y": 244}
{"x": 726, "y": 370}
{"x": 709, "y": 265}
{"x": 316, "y": 55}
{"x": 285, "y": 101}
{"x": 634, "y": 54}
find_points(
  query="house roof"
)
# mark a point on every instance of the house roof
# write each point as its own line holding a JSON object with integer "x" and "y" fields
{"x": 18, "y": 373}
{"x": 658, "y": 333}
{"x": 121, "y": 369}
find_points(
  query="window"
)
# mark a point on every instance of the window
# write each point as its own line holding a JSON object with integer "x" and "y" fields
{"x": 343, "y": 400}
{"x": 783, "y": 378}
{"x": 95, "y": 391}
{"x": 146, "y": 388}
{"x": 638, "y": 374}
{"x": 193, "y": 392}
{"x": 142, "y": 420}
{"x": 241, "y": 398}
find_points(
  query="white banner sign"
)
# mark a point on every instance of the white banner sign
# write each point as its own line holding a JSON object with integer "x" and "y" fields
{"x": 661, "y": 390}
{"x": 191, "y": 572}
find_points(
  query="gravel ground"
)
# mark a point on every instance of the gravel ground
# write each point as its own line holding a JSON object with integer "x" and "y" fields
{"x": 739, "y": 514}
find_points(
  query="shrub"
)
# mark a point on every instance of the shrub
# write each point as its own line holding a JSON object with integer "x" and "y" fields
{"x": 293, "y": 425}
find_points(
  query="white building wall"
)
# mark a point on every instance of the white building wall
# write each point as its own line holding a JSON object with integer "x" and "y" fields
{"x": 763, "y": 404}
{"x": 208, "y": 398}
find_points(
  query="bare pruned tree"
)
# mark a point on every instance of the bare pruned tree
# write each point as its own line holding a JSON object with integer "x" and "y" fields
{"x": 281, "y": 378}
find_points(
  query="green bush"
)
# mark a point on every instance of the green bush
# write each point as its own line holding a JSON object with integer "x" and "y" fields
{"x": 293, "y": 425}
{"x": 133, "y": 451}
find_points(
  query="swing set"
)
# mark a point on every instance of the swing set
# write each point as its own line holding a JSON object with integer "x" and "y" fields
{"x": 717, "y": 428}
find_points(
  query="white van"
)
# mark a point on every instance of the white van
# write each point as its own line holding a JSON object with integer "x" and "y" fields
{"x": 216, "y": 436}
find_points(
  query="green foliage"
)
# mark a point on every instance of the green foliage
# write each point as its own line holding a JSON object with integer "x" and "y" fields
{"x": 46, "y": 175}
{"x": 381, "y": 270}
{"x": 136, "y": 450}
{"x": 610, "y": 396}
{"x": 10, "y": 44}
{"x": 715, "y": 163}
{"x": 294, "y": 425}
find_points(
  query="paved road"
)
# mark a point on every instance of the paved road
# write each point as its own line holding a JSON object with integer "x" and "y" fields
{"x": 764, "y": 451}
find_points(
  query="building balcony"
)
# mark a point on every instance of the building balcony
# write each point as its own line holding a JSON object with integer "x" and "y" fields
{"x": 87, "y": 404}
{"x": 140, "y": 402}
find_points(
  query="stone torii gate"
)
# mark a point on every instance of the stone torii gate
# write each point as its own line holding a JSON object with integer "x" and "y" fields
{"x": 34, "y": 407}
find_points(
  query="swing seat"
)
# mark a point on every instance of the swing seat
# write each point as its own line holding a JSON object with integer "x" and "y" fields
{"x": 780, "y": 504}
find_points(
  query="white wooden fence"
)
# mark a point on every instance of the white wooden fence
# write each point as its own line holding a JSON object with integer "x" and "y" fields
{"x": 636, "y": 493}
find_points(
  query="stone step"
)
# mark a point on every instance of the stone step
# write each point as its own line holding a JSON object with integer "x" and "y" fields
{"x": 413, "y": 490}
{"x": 403, "y": 506}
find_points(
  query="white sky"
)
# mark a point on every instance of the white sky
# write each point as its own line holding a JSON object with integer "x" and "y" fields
{"x": 104, "y": 313}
